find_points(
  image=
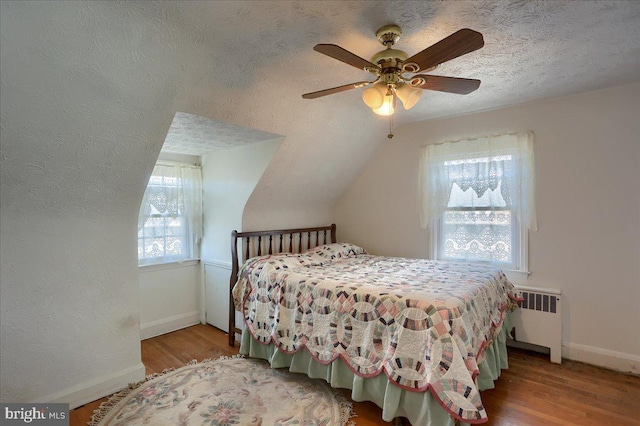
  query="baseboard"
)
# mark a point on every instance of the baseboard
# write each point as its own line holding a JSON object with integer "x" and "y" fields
{"x": 167, "y": 325}
{"x": 97, "y": 388}
{"x": 613, "y": 360}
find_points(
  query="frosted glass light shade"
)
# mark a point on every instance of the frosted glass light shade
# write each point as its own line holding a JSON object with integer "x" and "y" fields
{"x": 408, "y": 95}
{"x": 374, "y": 95}
{"x": 388, "y": 106}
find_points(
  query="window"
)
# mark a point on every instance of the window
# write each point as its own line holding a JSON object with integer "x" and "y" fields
{"x": 170, "y": 218}
{"x": 478, "y": 199}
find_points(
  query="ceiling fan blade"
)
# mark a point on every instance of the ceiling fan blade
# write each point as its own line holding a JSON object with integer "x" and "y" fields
{"x": 461, "y": 86}
{"x": 457, "y": 44}
{"x": 325, "y": 92}
{"x": 345, "y": 56}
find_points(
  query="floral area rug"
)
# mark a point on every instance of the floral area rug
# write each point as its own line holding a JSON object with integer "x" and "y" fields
{"x": 226, "y": 392}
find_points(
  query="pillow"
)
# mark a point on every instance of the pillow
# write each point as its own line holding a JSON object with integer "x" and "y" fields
{"x": 336, "y": 251}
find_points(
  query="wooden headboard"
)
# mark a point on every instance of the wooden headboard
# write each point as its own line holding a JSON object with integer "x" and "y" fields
{"x": 258, "y": 243}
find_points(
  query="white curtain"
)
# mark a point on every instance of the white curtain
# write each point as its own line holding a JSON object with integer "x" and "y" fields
{"x": 176, "y": 190}
{"x": 191, "y": 180}
{"x": 493, "y": 171}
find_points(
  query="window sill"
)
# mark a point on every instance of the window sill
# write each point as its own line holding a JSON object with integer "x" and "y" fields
{"x": 516, "y": 276}
{"x": 168, "y": 265}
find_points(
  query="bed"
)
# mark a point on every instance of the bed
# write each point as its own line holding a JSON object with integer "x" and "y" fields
{"x": 419, "y": 338}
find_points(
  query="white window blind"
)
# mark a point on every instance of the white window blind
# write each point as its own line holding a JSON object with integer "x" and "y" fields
{"x": 170, "y": 218}
{"x": 478, "y": 198}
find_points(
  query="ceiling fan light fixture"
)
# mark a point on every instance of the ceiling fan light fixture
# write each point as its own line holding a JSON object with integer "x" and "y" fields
{"x": 390, "y": 64}
{"x": 388, "y": 105}
{"x": 374, "y": 95}
{"x": 408, "y": 95}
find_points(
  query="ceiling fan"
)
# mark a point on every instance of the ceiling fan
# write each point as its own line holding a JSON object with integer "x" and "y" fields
{"x": 390, "y": 65}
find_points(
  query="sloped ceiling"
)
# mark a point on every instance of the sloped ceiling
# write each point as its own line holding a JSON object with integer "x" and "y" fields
{"x": 263, "y": 62}
{"x": 248, "y": 62}
{"x": 533, "y": 49}
{"x": 191, "y": 134}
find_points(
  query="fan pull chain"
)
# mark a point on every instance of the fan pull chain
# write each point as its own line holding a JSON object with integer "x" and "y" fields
{"x": 390, "y": 135}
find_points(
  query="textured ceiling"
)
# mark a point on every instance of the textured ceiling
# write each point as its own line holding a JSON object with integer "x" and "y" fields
{"x": 90, "y": 89}
{"x": 533, "y": 50}
{"x": 195, "y": 135}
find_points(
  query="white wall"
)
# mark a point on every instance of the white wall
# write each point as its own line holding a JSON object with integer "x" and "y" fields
{"x": 229, "y": 178}
{"x": 588, "y": 195}
{"x": 73, "y": 169}
{"x": 169, "y": 297}
{"x": 89, "y": 90}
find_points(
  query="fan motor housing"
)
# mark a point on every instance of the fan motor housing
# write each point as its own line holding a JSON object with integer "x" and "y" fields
{"x": 389, "y": 60}
{"x": 389, "y": 55}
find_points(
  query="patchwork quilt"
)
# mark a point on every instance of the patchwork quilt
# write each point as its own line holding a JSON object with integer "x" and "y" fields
{"x": 424, "y": 323}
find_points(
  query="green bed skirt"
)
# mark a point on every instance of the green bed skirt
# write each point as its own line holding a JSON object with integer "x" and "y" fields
{"x": 420, "y": 408}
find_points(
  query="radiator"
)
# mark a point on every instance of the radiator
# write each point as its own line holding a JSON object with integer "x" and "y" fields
{"x": 538, "y": 321}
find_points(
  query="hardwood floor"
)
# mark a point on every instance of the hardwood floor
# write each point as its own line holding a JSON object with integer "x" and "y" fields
{"x": 531, "y": 392}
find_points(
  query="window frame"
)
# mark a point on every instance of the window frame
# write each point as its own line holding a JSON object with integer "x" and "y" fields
{"x": 190, "y": 245}
{"x": 515, "y": 272}
{"x": 523, "y": 212}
